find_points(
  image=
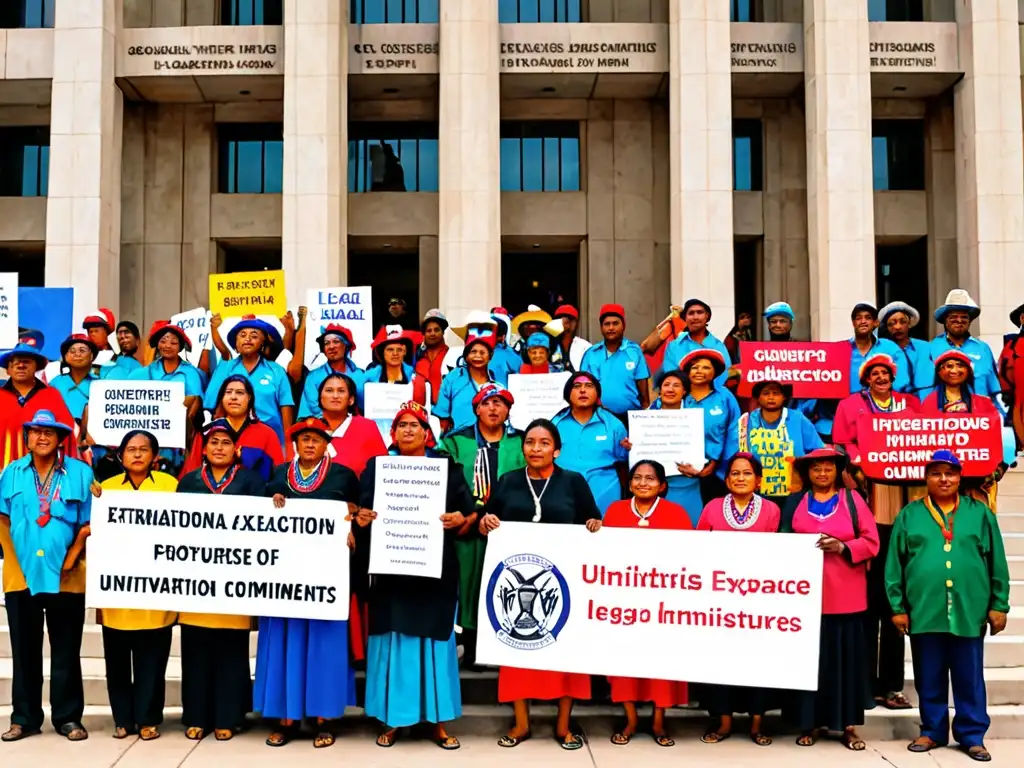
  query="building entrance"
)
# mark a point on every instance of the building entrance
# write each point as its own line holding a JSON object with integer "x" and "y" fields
{"x": 542, "y": 278}
{"x": 901, "y": 274}
{"x": 391, "y": 276}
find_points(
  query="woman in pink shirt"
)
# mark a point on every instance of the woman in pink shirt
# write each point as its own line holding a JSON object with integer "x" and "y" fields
{"x": 742, "y": 509}
{"x": 849, "y": 538}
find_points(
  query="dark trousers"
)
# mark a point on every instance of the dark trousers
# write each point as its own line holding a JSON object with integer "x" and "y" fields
{"x": 885, "y": 644}
{"x": 216, "y": 687}
{"x": 64, "y": 614}
{"x": 941, "y": 660}
{"x": 136, "y": 662}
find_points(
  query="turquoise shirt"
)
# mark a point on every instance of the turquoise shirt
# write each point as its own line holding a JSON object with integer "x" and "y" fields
{"x": 880, "y": 347}
{"x": 186, "y": 373}
{"x": 76, "y": 396}
{"x": 269, "y": 382}
{"x": 593, "y": 449}
{"x": 618, "y": 373}
{"x": 986, "y": 381}
{"x": 455, "y": 400}
{"x": 916, "y": 361}
{"x": 310, "y": 404}
{"x": 682, "y": 345}
{"x": 41, "y": 549}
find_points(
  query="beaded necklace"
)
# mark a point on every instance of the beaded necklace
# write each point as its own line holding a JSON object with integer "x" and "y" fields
{"x": 741, "y": 521}
{"x": 310, "y": 483}
{"x": 47, "y": 490}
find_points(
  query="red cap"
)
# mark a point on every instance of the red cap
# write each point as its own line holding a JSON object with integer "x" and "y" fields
{"x": 310, "y": 424}
{"x": 101, "y": 317}
{"x": 487, "y": 341}
{"x": 417, "y": 411}
{"x": 78, "y": 338}
{"x": 954, "y": 354}
{"x": 160, "y": 327}
{"x": 337, "y": 330}
{"x": 612, "y": 309}
{"x": 716, "y": 358}
{"x": 880, "y": 359}
{"x": 492, "y": 390}
{"x": 567, "y": 310}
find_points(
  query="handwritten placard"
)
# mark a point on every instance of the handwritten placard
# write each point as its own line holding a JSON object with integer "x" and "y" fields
{"x": 248, "y": 293}
{"x": 409, "y": 495}
{"x": 349, "y": 307}
{"x": 537, "y": 396}
{"x": 669, "y": 437}
{"x": 196, "y": 325}
{"x": 119, "y": 407}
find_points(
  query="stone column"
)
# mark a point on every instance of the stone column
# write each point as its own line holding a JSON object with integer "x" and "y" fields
{"x": 84, "y": 206}
{"x": 840, "y": 198}
{"x": 314, "y": 215}
{"x": 700, "y": 155}
{"x": 469, "y": 114}
{"x": 989, "y": 162}
{"x": 940, "y": 183}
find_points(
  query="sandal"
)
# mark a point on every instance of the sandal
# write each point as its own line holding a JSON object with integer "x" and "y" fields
{"x": 281, "y": 736}
{"x": 508, "y": 741}
{"x": 712, "y": 736}
{"x": 194, "y": 733}
{"x": 895, "y": 700}
{"x": 921, "y": 745}
{"x": 448, "y": 743}
{"x": 663, "y": 740}
{"x": 223, "y": 734}
{"x": 570, "y": 741}
{"x": 853, "y": 742}
{"x": 978, "y": 753}
{"x": 18, "y": 732}
{"x": 120, "y": 732}
{"x": 149, "y": 733}
{"x": 387, "y": 739}
{"x": 760, "y": 739}
{"x": 323, "y": 740}
{"x": 73, "y": 732}
{"x": 622, "y": 738}
{"x": 808, "y": 739}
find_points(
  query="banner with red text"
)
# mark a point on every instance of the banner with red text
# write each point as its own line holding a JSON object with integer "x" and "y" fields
{"x": 895, "y": 447}
{"x": 697, "y": 606}
{"x": 814, "y": 369}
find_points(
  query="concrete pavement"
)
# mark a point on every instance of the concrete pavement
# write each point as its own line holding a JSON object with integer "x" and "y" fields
{"x": 173, "y": 750}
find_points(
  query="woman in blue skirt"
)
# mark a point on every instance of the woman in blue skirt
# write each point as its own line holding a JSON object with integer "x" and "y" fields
{"x": 412, "y": 667}
{"x": 302, "y": 665}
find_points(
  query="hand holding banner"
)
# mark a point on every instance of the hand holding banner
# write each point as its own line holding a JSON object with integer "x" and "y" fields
{"x": 668, "y": 437}
{"x": 895, "y": 447}
{"x": 813, "y": 369}
{"x": 350, "y": 307}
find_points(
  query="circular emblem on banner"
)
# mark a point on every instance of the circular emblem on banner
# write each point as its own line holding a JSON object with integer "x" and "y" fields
{"x": 527, "y": 602}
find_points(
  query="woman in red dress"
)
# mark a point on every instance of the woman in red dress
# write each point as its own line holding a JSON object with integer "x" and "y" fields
{"x": 647, "y": 509}
{"x": 355, "y": 439}
{"x": 742, "y": 509}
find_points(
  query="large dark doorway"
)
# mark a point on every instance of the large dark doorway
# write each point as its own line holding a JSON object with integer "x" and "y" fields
{"x": 901, "y": 274}
{"x": 391, "y": 275}
{"x": 545, "y": 279}
{"x": 746, "y": 281}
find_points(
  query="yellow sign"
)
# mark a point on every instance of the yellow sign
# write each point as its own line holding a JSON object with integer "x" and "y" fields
{"x": 248, "y": 293}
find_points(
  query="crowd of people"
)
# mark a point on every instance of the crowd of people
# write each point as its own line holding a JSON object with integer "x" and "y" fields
{"x": 892, "y": 565}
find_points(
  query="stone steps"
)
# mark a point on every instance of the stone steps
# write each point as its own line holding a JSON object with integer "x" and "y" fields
{"x": 1011, "y": 522}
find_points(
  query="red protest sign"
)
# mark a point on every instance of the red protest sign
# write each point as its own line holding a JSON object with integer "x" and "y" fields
{"x": 813, "y": 369}
{"x": 896, "y": 447}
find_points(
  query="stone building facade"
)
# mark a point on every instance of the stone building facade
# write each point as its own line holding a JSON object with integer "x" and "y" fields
{"x": 468, "y": 153}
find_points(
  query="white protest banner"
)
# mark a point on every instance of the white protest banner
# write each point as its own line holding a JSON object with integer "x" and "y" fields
{"x": 196, "y": 325}
{"x": 537, "y": 396}
{"x": 118, "y": 407}
{"x": 381, "y": 401}
{"x": 8, "y": 310}
{"x": 409, "y": 496}
{"x": 207, "y": 553}
{"x": 668, "y": 437}
{"x": 351, "y": 307}
{"x": 623, "y": 602}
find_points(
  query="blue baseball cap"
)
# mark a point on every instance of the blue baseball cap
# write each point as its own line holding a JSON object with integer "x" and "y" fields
{"x": 538, "y": 340}
{"x": 944, "y": 456}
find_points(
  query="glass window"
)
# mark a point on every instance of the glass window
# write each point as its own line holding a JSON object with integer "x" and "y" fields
{"x": 897, "y": 154}
{"x": 747, "y": 155}
{"x": 251, "y": 259}
{"x": 24, "y": 161}
{"x": 392, "y": 157}
{"x": 541, "y": 156}
{"x": 539, "y": 11}
{"x": 245, "y": 13}
{"x": 251, "y": 158}
{"x": 745, "y": 10}
{"x": 895, "y": 10}
{"x": 393, "y": 11}
{"x": 26, "y": 14}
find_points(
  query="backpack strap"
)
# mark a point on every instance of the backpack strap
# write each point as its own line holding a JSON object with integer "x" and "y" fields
{"x": 854, "y": 517}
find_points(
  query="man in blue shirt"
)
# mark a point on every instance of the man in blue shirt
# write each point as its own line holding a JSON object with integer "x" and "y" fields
{"x": 99, "y": 326}
{"x": 253, "y": 339}
{"x": 895, "y": 321}
{"x": 956, "y": 316}
{"x": 337, "y": 344}
{"x": 619, "y": 364}
{"x": 45, "y": 507}
{"x": 865, "y": 343}
{"x": 77, "y": 354}
{"x": 696, "y": 314}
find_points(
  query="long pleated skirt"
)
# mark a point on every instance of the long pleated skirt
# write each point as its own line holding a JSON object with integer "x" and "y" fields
{"x": 216, "y": 689}
{"x": 844, "y": 692}
{"x": 302, "y": 669}
{"x": 516, "y": 684}
{"x": 412, "y": 680}
{"x": 662, "y": 693}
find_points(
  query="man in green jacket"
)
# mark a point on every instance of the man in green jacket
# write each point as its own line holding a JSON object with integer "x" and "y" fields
{"x": 946, "y": 577}
{"x": 485, "y": 451}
